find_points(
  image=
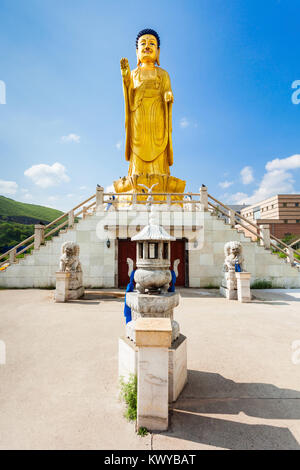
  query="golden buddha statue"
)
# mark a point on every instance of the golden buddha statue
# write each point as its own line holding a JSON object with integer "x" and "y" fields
{"x": 148, "y": 120}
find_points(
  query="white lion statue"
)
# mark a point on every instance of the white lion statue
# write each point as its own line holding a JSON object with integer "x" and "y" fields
{"x": 69, "y": 260}
{"x": 233, "y": 255}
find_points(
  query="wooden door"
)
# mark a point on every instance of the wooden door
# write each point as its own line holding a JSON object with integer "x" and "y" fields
{"x": 127, "y": 249}
{"x": 178, "y": 251}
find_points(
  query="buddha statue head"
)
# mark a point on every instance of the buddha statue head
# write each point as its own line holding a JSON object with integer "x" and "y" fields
{"x": 147, "y": 47}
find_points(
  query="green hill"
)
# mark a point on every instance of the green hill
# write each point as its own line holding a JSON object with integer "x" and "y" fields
{"x": 17, "y": 220}
{"x": 11, "y": 208}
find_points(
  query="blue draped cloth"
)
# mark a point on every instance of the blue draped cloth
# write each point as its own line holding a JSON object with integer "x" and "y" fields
{"x": 172, "y": 286}
{"x": 129, "y": 288}
{"x": 110, "y": 204}
{"x": 237, "y": 268}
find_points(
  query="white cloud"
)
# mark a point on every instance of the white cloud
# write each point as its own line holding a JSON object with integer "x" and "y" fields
{"x": 276, "y": 180}
{"x": 247, "y": 175}
{"x": 8, "y": 187}
{"x": 110, "y": 189}
{"x": 184, "y": 122}
{"x": 289, "y": 163}
{"x": 70, "y": 138}
{"x": 83, "y": 188}
{"x": 225, "y": 184}
{"x": 45, "y": 176}
{"x": 119, "y": 145}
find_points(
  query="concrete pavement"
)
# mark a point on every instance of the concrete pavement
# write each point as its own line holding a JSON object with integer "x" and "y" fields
{"x": 59, "y": 386}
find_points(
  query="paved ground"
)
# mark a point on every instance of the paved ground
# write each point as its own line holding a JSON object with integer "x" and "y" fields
{"x": 59, "y": 387}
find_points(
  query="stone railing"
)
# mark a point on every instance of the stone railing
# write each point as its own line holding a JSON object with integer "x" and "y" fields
{"x": 44, "y": 232}
{"x": 261, "y": 232}
{"x": 101, "y": 201}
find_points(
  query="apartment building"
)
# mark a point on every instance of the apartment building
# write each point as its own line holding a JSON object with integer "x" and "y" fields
{"x": 280, "y": 212}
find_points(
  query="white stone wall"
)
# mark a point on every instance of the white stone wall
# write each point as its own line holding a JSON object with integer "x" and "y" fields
{"x": 206, "y": 235}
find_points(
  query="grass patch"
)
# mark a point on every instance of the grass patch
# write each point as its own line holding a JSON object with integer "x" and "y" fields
{"x": 279, "y": 253}
{"x": 142, "y": 431}
{"x": 261, "y": 284}
{"x": 129, "y": 395}
{"x": 211, "y": 286}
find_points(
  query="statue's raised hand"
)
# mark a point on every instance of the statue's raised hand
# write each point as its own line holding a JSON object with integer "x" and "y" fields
{"x": 125, "y": 69}
{"x": 169, "y": 98}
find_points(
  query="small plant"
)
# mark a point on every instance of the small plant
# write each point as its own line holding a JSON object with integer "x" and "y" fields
{"x": 261, "y": 284}
{"x": 129, "y": 395}
{"x": 142, "y": 431}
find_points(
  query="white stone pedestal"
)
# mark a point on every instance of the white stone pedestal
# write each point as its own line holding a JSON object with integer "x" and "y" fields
{"x": 62, "y": 286}
{"x": 229, "y": 286}
{"x": 153, "y": 339}
{"x": 68, "y": 286}
{"x": 243, "y": 286}
{"x": 76, "y": 289}
{"x": 128, "y": 356}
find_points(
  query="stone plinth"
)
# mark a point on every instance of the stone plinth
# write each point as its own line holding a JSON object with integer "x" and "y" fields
{"x": 76, "y": 289}
{"x": 68, "y": 286}
{"x": 229, "y": 286}
{"x": 153, "y": 339}
{"x": 243, "y": 286}
{"x": 62, "y": 286}
{"x": 177, "y": 367}
{"x": 131, "y": 334}
{"x": 128, "y": 357}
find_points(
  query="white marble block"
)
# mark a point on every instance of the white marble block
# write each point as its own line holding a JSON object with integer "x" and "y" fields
{"x": 229, "y": 286}
{"x": 153, "y": 339}
{"x": 76, "y": 289}
{"x": 243, "y": 286}
{"x": 128, "y": 359}
{"x": 177, "y": 367}
{"x": 128, "y": 355}
{"x": 62, "y": 286}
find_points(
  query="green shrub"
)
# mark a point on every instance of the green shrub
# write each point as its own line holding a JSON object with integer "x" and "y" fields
{"x": 129, "y": 395}
{"x": 280, "y": 254}
{"x": 142, "y": 431}
{"x": 261, "y": 284}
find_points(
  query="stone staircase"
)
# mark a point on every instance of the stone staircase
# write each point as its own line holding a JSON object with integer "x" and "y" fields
{"x": 205, "y": 233}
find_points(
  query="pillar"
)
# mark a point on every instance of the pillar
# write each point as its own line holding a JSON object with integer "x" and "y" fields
{"x": 12, "y": 256}
{"x": 204, "y": 197}
{"x": 265, "y": 234}
{"x": 153, "y": 339}
{"x": 232, "y": 217}
{"x": 243, "y": 286}
{"x": 62, "y": 286}
{"x": 38, "y": 236}
{"x": 71, "y": 219}
{"x": 99, "y": 198}
{"x": 290, "y": 253}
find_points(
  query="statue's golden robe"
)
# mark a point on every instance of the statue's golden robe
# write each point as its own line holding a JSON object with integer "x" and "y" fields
{"x": 148, "y": 123}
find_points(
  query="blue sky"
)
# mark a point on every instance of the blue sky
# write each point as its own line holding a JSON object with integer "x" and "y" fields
{"x": 232, "y": 65}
